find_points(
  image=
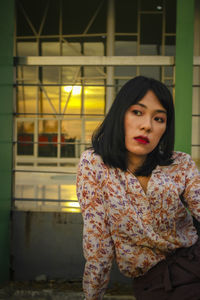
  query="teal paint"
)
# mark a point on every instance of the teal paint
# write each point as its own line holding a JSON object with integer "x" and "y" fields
{"x": 184, "y": 74}
{"x": 6, "y": 93}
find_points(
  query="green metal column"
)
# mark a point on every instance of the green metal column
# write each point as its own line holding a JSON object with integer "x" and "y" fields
{"x": 184, "y": 74}
{"x": 6, "y": 108}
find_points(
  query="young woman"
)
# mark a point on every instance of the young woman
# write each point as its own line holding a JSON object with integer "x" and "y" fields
{"x": 133, "y": 190}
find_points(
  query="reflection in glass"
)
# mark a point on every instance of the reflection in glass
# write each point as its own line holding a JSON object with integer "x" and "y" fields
{"x": 71, "y": 99}
{"x": 25, "y": 131}
{"x": 27, "y": 48}
{"x": 90, "y": 126}
{"x": 71, "y": 132}
{"x": 50, "y": 48}
{"x": 49, "y": 100}
{"x": 71, "y": 75}
{"x": 47, "y": 143}
{"x": 26, "y": 99}
{"x": 27, "y": 74}
{"x": 50, "y": 74}
{"x": 94, "y": 100}
{"x": 72, "y": 49}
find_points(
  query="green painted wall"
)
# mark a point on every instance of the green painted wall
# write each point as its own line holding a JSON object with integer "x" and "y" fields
{"x": 6, "y": 108}
{"x": 184, "y": 74}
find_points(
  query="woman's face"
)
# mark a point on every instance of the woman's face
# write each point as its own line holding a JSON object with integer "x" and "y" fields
{"x": 144, "y": 123}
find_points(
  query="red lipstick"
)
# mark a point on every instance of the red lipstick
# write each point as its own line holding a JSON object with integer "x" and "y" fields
{"x": 142, "y": 139}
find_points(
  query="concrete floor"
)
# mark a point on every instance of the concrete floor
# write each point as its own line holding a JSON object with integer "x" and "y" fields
{"x": 56, "y": 291}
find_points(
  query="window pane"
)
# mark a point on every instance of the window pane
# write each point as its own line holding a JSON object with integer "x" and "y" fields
{"x": 94, "y": 73}
{"x": 27, "y": 48}
{"x": 93, "y": 49}
{"x": 126, "y": 16}
{"x": 71, "y": 99}
{"x": 124, "y": 71}
{"x": 69, "y": 48}
{"x": 90, "y": 126}
{"x": 47, "y": 147}
{"x": 50, "y": 48}
{"x": 152, "y": 5}
{"x": 154, "y": 72}
{"x": 26, "y": 100}
{"x": 25, "y": 132}
{"x": 50, "y": 74}
{"x": 71, "y": 75}
{"x": 49, "y": 100}
{"x": 94, "y": 100}
{"x": 170, "y": 16}
{"x": 155, "y": 22}
{"x": 125, "y": 48}
{"x": 149, "y": 50}
{"x": 27, "y": 74}
{"x": 71, "y": 134}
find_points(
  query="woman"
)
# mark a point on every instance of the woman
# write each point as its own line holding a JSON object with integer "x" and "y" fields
{"x": 133, "y": 189}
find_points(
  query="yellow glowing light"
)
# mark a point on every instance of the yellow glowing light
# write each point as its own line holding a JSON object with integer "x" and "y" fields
{"x": 76, "y": 89}
{"x": 71, "y": 210}
{"x": 72, "y": 204}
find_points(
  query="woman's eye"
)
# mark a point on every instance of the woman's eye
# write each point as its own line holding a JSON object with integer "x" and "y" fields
{"x": 137, "y": 112}
{"x": 159, "y": 119}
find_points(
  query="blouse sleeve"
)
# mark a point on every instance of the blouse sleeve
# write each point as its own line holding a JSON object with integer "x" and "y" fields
{"x": 192, "y": 188}
{"x": 97, "y": 242}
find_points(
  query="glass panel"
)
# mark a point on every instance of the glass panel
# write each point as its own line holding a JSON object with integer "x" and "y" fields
{"x": 50, "y": 48}
{"x": 125, "y": 71}
{"x": 71, "y": 75}
{"x": 196, "y": 130}
{"x": 71, "y": 137}
{"x": 170, "y": 48}
{"x": 196, "y": 118}
{"x": 51, "y": 25}
{"x": 90, "y": 126}
{"x": 149, "y": 50}
{"x": 170, "y": 16}
{"x": 47, "y": 146}
{"x": 50, "y": 74}
{"x": 25, "y": 132}
{"x": 155, "y": 22}
{"x": 27, "y": 74}
{"x": 168, "y": 71}
{"x": 71, "y": 99}
{"x": 156, "y": 5}
{"x": 26, "y": 100}
{"x": 68, "y": 192}
{"x": 93, "y": 49}
{"x": 49, "y": 101}
{"x": 125, "y": 48}
{"x": 196, "y": 155}
{"x": 154, "y": 72}
{"x": 94, "y": 72}
{"x": 126, "y": 10}
{"x": 27, "y": 48}
{"x": 69, "y": 48}
{"x": 94, "y": 100}
{"x": 169, "y": 83}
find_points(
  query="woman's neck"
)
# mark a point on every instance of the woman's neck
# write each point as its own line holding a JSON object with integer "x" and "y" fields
{"x": 135, "y": 162}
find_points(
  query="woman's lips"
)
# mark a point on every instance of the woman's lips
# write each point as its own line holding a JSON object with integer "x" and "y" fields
{"x": 142, "y": 139}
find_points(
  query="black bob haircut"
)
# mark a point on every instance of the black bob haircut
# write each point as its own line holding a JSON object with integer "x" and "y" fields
{"x": 108, "y": 140}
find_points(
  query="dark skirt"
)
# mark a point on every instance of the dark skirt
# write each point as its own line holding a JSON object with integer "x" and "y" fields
{"x": 176, "y": 277}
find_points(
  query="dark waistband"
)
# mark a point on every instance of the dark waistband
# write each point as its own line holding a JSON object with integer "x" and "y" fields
{"x": 181, "y": 257}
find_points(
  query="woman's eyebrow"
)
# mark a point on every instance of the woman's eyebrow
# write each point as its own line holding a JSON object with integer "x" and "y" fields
{"x": 157, "y": 110}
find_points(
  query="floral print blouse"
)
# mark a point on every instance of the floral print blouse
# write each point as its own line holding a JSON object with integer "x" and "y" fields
{"x": 138, "y": 229}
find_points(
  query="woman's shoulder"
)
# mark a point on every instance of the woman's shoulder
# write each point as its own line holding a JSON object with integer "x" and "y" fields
{"x": 90, "y": 158}
{"x": 180, "y": 157}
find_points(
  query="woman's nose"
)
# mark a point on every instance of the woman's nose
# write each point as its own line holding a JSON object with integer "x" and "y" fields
{"x": 147, "y": 124}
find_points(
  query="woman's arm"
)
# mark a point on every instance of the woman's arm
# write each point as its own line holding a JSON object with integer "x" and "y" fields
{"x": 97, "y": 243}
{"x": 192, "y": 188}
